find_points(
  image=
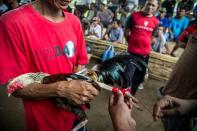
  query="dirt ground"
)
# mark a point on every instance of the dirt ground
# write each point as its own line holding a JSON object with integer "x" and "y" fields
{"x": 12, "y": 118}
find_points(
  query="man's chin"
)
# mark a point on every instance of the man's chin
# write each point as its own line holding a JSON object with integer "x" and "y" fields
{"x": 63, "y": 7}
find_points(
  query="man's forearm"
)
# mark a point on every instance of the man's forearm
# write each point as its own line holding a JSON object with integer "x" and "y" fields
{"x": 37, "y": 91}
{"x": 78, "y": 68}
{"x": 127, "y": 34}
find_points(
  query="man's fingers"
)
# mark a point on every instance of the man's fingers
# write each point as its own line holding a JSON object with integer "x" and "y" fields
{"x": 162, "y": 105}
{"x": 85, "y": 99}
{"x": 169, "y": 112}
{"x": 111, "y": 100}
{"x": 120, "y": 97}
{"x": 130, "y": 103}
{"x": 91, "y": 88}
{"x": 88, "y": 94}
{"x": 156, "y": 111}
{"x": 135, "y": 100}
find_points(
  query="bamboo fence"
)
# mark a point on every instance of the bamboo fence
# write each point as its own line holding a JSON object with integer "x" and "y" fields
{"x": 160, "y": 65}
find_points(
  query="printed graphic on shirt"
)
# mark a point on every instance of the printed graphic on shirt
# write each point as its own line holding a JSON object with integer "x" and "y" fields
{"x": 52, "y": 52}
{"x": 145, "y": 23}
{"x": 69, "y": 49}
{"x": 145, "y": 26}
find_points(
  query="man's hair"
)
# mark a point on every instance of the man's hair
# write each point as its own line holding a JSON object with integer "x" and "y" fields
{"x": 158, "y": 1}
{"x": 182, "y": 8}
{"x": 117, "y": 21}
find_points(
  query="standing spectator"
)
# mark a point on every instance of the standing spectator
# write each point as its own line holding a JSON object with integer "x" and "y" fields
{"x": 115, "y": 33}
{"x": 158, "y": 39}
{"x": 42, "y": 37}
{"x": 164, "y": 20}
{"x": 177, "y": 25}
{"x": 105, "y": 15}
{"x": 95, "y": 30}
{"x": 138, "y": 33}
{"x": 187, "y": 4}
{"x": 169, "y": 5}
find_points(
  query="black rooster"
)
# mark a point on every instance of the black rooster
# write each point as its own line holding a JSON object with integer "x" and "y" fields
{"x": 124, "y": 70}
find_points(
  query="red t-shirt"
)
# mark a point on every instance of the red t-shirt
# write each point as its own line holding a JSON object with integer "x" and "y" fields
{"x": 184, "y": 37}
{"x": 31, "y": 43}
{"x": 141, "y": 32}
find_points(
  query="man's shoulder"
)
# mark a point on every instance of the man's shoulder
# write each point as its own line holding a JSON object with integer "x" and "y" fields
{"x": 72, "y": 18}
{"x": 185, "y": 18}
{"x": 120, "y": 29}
{"x": 136, "y": 13}
{"x": 154, "y": 18}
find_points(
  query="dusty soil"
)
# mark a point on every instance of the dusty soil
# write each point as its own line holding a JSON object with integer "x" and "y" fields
{"x": 12, "y": 119}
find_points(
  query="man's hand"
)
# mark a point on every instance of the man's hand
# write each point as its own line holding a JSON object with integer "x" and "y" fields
{"x": 171, "y": 106}
{"x": 120, "y": 113}
{"x": 79, "y": 92}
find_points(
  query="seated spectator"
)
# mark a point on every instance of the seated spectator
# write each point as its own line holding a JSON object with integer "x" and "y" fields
{"x": 194, "y": 19}
{"x": 88, "y": 17}
{"x": 184, "y": 37}
{"x": 178, "y": 24}
{"x": 91, "y": 12}
{"x": 105, "y": 15}
{"x": 3, "y": 7}
{"x": 115, "y": 33}
{"x": 158, "y": 39}
{"x": 81, "y": 7}
{"x": 12, "y": 4}
{"x": 72, "y": 6}
{"x": 169, "y": 5}
{"x": 124, "y": 14}
{"x": 187, "y": 4}
{"x": 163, "y": 19}
{"x": 25, "y": 1}
{"x": 95, "y": 30}
{"x": 132, "y": 5}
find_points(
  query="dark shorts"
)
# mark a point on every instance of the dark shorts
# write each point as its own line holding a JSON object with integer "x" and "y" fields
{"x": 139, "y": 75}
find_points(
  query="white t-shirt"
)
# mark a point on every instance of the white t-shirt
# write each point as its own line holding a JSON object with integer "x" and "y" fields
{"x": 96, "y": 29}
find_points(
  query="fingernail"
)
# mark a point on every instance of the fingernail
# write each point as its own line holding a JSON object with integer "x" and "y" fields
{"x": 119, "y": 92}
